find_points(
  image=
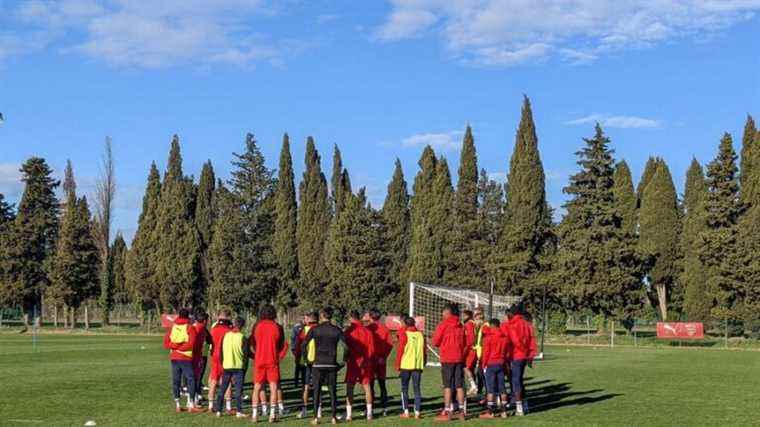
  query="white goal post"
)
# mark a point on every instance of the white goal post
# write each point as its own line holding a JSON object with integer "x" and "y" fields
{"x": 427, "y": 301}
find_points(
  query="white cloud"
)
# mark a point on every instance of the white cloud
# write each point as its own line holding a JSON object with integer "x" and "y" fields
{"x": 509, "y": 32}
{"x": 10, "y": 181}
{"x": 623, "y": 122}
{"x": 500, "y": 177}
{"x": 445, "y": 141}
{"x": 149, "y": 34}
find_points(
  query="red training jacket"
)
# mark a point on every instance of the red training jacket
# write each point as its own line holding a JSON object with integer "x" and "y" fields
{"x": 449, "y": 338}
{"x": 522, "y": 341}
{"x": 383, "y": 343}
{"x": 469, "y": 336}
{"x": 186, "y": 346}
{"x": 267, "y": 342}
{"x": 495, "y": 347}
{"x": 201, "y": 338}
{"x": 360, "y": 343}
{"x": 217, "y": 335}
{"x": 402, "y": 340}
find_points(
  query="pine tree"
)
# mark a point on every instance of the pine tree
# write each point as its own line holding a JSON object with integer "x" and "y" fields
{"x": 625, "y": 198}
{"x": 397, "y": 228}
{"x": 140, "y": 268}
{"x": 121, "y": 294}
{"x": 490, "y": 222}
{"x": 697, "y": 300}
{"x": 204, "y": 222}
{"x": 719, "y": 247}
{"x": 313, "y": 225}
{"x": 649, "y": 169}
{"x": 591, "y": 235}
{"x": 357, "y": 259}
{"x": 466, "y": 271}
{"x": 177, "y": 258}
{"x": 659, "y": 229}
{"x": 253, "y": 185}
{"x": 231, "y": 262}
{"x": 524, "y": 233}
{"x": 6, "y": 212}
{"x": 285, "y": 245}
{"x": 425, "y": 265}
{"x": 32, "y": 240}
{"x": 750, "y": 163}
{"x": 7, "y": 216}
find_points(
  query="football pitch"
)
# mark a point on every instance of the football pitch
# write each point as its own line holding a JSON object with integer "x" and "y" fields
{"x": 69, "y": 379}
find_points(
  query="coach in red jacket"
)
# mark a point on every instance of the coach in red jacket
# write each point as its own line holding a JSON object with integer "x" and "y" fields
{"x": 450, "y": 340}
{"x": 522, "y": 349}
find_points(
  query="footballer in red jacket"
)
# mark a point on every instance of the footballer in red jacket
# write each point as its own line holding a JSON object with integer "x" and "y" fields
{"x": 361, "y": 351}
{"x": 383, "y": 348}
{"x": 450, "y": 340}
{"x": 267, "y": 344}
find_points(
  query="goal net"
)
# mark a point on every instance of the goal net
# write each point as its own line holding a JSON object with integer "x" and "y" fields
{"x": 427, "y": 301}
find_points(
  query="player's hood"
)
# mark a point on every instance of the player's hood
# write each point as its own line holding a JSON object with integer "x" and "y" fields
{"x": 181, "y": 321}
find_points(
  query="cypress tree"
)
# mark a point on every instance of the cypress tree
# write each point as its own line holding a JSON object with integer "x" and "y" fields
{"x": 659, "y": 227}
{"x": 357, "y": 259}
{"x": 339, "y": 177}
{"x": 140, "y": 267}
{"x": 750, "y": 163}
{"x": 178, "y": 245}
{"x": 424, "y": 262}
{"x": 719, "y": 247}
{"x": 204, "y": 222}
{"x": 32, "y": 240}
{"x": 591, "y": 235}
{"x": 466, "y": 271}
{"x": 441, "y": 219}
{"x": 397, "y": 229}
{"x": 121, "y": 294}
{"x": 75, "y": 267}
{"x": 697, "y": 299}
{"x": 649, "y": 169}
{"x": 625, "y": 198}
{"x": 313, "y": 225}
{"x": 285, "y": 245}
{"x": 524, "y": 233}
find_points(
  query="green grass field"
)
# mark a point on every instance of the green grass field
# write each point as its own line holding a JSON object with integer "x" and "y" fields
{"x": 124, "y": 380}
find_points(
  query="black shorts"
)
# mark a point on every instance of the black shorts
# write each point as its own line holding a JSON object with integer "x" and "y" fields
{"x": 307, "y": 375}
{"x": 452, "y": 375}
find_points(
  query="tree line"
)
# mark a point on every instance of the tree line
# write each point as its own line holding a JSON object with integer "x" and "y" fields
{"x": 255, "y": 238}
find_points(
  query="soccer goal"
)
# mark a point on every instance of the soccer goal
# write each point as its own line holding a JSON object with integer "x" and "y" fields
{"x": 427, "y": 301}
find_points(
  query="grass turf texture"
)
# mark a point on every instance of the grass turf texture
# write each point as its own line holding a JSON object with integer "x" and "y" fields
{"x": 125, "y": 380}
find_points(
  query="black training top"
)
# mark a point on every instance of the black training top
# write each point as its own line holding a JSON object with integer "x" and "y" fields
{"x": 326, "y": 337}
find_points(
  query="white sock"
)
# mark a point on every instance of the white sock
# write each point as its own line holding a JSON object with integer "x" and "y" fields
{"x": 255, "y": 412}
{"x": 189, "y": 402}
{"x": 281, "y": 406}
{"x": 319, "y": 412}
{"x": 263, "y": 409}
{"x": 176, "y": 402}
{"x": 348, "y": 411}
{"x": 519, "y": 406}
{"x": 369, "y": 411}
{"x": 406, "y": 412}
{"x": 229, "y": 404}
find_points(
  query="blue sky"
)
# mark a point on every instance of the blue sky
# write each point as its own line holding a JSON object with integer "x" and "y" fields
{"x": 379, "y": 78}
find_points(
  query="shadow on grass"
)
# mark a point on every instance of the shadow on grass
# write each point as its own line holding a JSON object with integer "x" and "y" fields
{"x": 557, "y": 395}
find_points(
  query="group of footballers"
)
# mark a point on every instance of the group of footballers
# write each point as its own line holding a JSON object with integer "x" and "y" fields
{"x": 471, "y": 350}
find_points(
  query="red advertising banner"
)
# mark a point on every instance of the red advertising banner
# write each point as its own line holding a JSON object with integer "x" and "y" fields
{"x": 680, "y": 330}
{"x": 394, "y": 322}
{"x": 167, "y": 320}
